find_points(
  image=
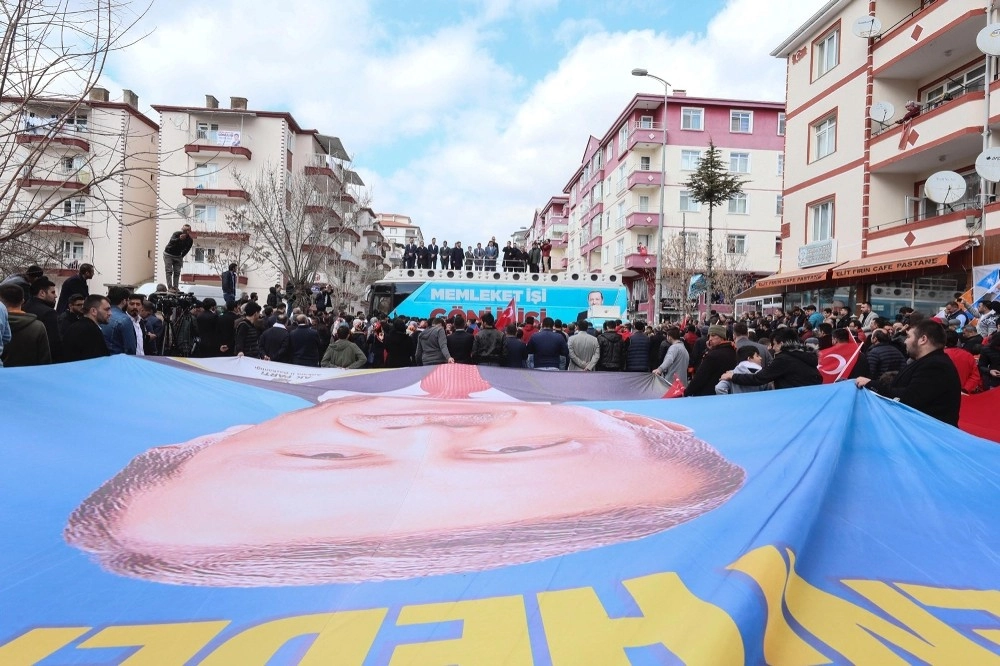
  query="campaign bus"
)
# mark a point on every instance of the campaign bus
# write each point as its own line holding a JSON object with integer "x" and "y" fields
{"x": 425, "y": 293}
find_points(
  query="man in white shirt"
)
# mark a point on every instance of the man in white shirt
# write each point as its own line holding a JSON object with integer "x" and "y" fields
{"x": 133, "y": 307}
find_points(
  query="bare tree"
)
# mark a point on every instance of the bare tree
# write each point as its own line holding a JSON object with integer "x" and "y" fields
{"x": 52, "y": 54}
{"x": 713, "y": 185}
{"x": 685, "y": 258}
{"x": 301, "y": 228}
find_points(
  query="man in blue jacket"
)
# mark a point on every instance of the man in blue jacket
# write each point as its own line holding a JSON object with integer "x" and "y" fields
{"x": 549, "y": 347}
{"x": 119, "y": 333}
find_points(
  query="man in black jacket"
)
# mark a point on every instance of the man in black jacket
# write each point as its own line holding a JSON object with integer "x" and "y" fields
{"x": 487, "y": 345}
{"x": 173, "y": 255}
{"x": 274, "y": 342}
{"x": 75, "y": 285}
{"x": 612, "y": 348}
{"x": 792, "y": 365}
{"x": 930, "y": 382}
{"x": 42, "y": 305}
{"x": 720, "y": 358}
{"x": 460, "y": 342}
{"x": 208, "y": 330}
{"x": 84, "y": 338}
{"x": 305, "y": 343}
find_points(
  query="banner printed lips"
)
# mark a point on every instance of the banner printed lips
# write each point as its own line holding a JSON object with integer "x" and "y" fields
{"x": 454, "y": 382}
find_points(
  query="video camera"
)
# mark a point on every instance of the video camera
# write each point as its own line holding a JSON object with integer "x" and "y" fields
{"x": 166, "y": 302}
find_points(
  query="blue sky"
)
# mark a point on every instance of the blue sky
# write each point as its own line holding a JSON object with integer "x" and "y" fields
{"x": 466, "y": 115}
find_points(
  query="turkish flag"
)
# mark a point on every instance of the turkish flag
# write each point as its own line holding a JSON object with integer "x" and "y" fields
{"x": 837, "y": 361}
{"x": 507, "y": 316}
{"x": 676, "y": 389}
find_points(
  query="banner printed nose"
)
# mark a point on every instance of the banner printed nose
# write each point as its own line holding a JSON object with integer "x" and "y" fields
{"x": 454, "y": 382}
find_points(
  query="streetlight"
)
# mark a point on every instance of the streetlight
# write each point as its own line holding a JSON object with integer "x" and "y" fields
{"x": 663, "y": 186}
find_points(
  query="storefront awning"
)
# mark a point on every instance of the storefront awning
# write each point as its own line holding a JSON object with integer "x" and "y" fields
{"x": 786, "y": 278}
{"x": 914, "y": 258}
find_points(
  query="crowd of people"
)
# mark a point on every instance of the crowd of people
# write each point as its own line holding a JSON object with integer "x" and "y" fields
{"x": 722, "y": 355}
{"x": 511, "y": 258}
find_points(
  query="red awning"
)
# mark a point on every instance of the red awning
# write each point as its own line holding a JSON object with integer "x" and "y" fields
{"x": 786, "y": 278}
{"x": 895, "y": 261}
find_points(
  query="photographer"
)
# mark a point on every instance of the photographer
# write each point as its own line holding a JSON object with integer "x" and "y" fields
{"x": 173, "y": 255}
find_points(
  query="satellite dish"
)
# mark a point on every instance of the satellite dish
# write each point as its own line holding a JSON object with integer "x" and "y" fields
{"x": 881, "y": 112}
{"x": 945, "y": 187}
{"x": 988, "y": 164}
{"x": 867, "y": 27}
{"x": 988, "y": 39}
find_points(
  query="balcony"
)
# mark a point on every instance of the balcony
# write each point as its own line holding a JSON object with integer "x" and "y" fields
{"x": 921, "y": 41}
{"x": 44, "y": 179}
{"x": 635, "y": 260}
{"x": 327, "y": 211}
{"x": 373, "y": 251}
{"x": 210, "y": 192}
{"x": 592, "y": 245}
{"x": 595, "y": 211}
{"x": 642, "y": 220}
{"x": 63, "y": 229}
{"x": 649, "y": 135}
{"x": 345, "y": 231}
{"x": 945, "y": 133}
{"x": 209, "y": 148}
{"x": 324, "y": 165}
{"x": 72, "y": 140}
{"x": 373, "y": 233}
{"x": 640, "y": 179}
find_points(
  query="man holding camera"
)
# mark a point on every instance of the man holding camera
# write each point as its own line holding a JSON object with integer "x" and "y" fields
{"x": 173, "y": 255}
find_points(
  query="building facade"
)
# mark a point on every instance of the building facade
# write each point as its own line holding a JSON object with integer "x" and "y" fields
{"x": 86, "y": 169}
{"x": 398, "y": 231}
{"x": 211, "y": 156}
{"x": 611, "y": 209}
{"x": 860, "y": 222}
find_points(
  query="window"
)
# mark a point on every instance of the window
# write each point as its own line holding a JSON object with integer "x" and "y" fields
{"x": 736, "y": 244}
{"x": 77, "y": 122}
{"x": 739, "y": 162}
{"x": 622, "y": 140}
{"x": 209, "y": 131}
{"x": 622, "y": 177}
{"x": 969, "y": 81}
{"x": 779, "y": 205}
{"x": 781, "y": 124}
{"x": 206, "y": 176}
{"x": 619, "y": 251}
{"x": 741, "y": 122}
{"x": 821, "y": 216}
{"x": 692, "y": 119}
{"x": 646, "y": 122}
{"x": 607, "y": 220}
{"x": 620, "y": 218}
{"x": 204, "y": 255}
{"x": 781, "y": 164}
{"x": 690, "y": 159}
{"x": 644, "y": 163}
{"x": 642, "y": 239}
{"x": 777, "y": 246}
{"x": 825, "y": 137}
{"x": 72, "y": 252}
{"x": 740, "y": 204}
{"x": 206, "y": 215}
{"x": 643, "y": 204}
{"x": 826, "y": 53}
{"x": 74, "y": 206}
{"x": 688, "y": 204}
{"x": 69, "y": 165}
{"x": 689, "y": 241}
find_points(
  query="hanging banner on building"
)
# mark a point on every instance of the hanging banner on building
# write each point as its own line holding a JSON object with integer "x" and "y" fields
{"x": 450, "y": 516}
{"x": 229, "y": 138}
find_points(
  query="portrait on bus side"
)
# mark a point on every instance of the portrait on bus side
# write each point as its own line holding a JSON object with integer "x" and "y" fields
{"x": 373, "y": 488}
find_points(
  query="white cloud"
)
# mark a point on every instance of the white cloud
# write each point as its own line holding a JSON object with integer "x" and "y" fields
{"x": 498, "y": 149}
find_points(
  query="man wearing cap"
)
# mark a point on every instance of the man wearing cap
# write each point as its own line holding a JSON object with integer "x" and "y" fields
{"x": 173, "y": 255}
{"x": 720, "y": 358}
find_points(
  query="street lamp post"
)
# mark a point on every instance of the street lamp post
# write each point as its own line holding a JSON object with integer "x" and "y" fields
{"x": 663, "y": 187}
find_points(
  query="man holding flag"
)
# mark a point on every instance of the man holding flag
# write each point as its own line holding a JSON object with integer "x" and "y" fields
{"x": 843, "y": 360}
{"x": 507, "y": 316}
{"x": 792, "y": 365}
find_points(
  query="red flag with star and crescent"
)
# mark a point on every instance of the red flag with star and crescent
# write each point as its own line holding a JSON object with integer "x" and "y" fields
{"x": 838, "y": 361}
{"x": 507, "y": 316}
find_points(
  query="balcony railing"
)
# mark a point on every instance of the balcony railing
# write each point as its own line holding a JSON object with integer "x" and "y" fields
{"x": 324, "y": 165}
{"x": 32, "y": 178}
{"x": 218, "y": 141}
{"x": 72, "y": 139}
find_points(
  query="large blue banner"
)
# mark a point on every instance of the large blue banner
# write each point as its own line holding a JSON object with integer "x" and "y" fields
{"x": 165, "y": 513}
{"x": 568, "y": 303}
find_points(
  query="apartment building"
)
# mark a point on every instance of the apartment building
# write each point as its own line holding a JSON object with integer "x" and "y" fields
{"x": 207, "y": 151}
{"x": 91, "y": 163}
{"x": 551, "y": 223}
{"x": 859, "y": 222}
{"x": 399, "y": 230}
{"x": 612, "y": 204}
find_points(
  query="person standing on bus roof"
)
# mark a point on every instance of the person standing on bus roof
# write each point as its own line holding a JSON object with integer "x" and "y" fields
{"x": 432, "y": 250}
{"x": 457, "y": 256}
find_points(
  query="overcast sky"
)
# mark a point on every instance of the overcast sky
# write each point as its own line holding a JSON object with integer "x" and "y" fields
{"x": 466, "y": 115}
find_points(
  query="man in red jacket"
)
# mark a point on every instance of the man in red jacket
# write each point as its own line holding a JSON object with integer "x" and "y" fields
{"x": 965, "y": 363}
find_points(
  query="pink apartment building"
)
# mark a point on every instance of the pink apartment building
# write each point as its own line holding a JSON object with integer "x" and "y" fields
{"x": 611, "y": 209}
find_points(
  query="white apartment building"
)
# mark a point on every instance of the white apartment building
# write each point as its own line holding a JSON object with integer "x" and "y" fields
{"x": 93, "y": 163}
{"x": 859, "y": 223}
{"x": 203, "y": 149}
{"x": 611, "y": 209}
{"x": 399, "y": 230}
